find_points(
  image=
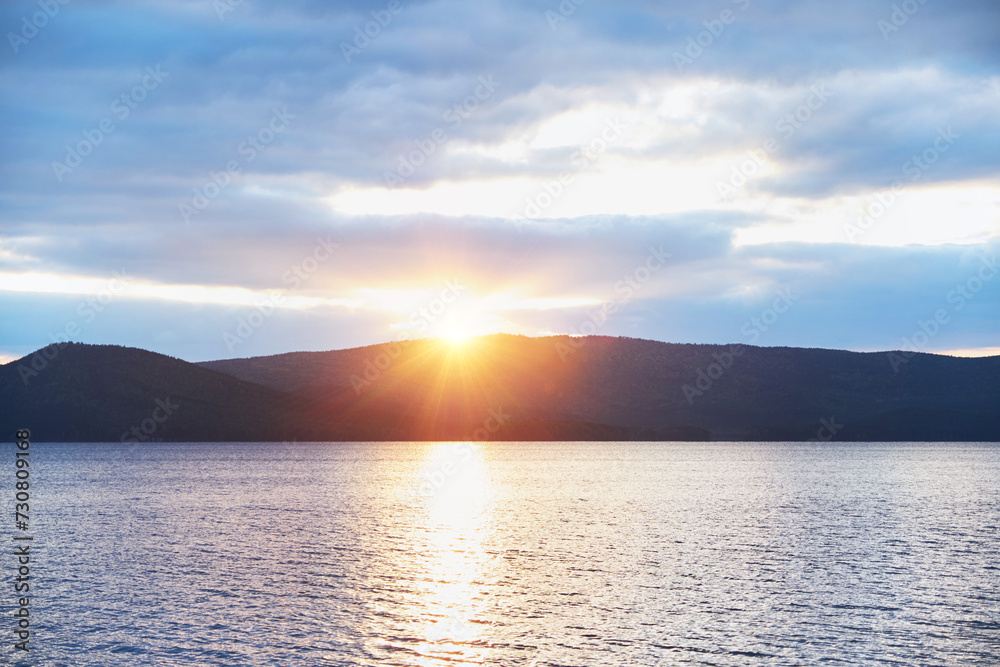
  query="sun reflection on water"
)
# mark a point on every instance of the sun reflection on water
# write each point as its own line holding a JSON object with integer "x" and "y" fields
{"x": 456, "y": 494}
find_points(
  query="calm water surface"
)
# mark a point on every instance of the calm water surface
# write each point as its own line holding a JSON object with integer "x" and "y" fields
{"x": 511, "y": 554}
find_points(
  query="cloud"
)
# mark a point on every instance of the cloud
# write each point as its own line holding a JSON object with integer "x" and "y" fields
{"x": 421, "y": 172}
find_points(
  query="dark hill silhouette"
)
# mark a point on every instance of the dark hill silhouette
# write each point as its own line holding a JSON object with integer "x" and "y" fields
{"x": 89, "y": 393}
{"x": 509, "y": 387}
{"x": 733, "y": 392}
{"x": 93, "y": 393}
{"x": 430, "y": 390}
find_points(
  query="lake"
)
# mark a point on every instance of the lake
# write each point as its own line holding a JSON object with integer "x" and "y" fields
{"x": 510, "y": 554}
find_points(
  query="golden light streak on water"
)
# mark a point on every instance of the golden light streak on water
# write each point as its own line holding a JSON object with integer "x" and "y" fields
{"x": 457, "y": 496}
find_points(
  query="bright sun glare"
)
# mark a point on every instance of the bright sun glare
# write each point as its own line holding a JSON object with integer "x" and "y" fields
{"x": 457, "y": 335}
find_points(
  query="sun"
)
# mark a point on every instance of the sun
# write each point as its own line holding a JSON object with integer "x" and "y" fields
{"x": 457, "y": 336}
{"x": 458, "y": 328}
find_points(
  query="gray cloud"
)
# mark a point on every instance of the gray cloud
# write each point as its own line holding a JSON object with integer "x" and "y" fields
{"x": 890, "y": 94}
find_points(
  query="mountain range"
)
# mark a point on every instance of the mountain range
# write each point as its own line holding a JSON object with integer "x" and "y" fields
{"x": 503, "y": 387}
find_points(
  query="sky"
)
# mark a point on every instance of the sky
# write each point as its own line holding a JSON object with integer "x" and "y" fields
{"x": 232, "y": 178}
